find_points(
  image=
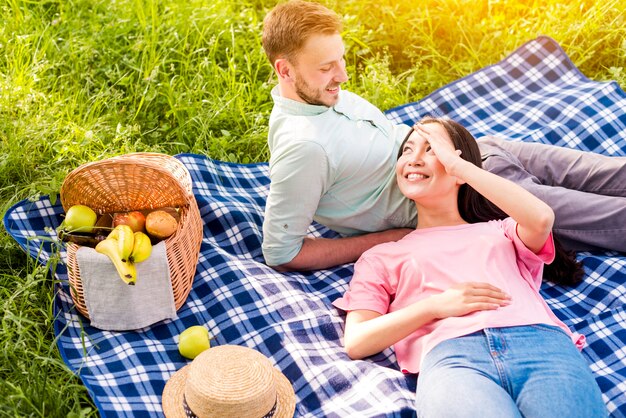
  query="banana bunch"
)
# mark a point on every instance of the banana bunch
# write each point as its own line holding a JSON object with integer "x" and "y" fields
{"x": 126, "y": 248}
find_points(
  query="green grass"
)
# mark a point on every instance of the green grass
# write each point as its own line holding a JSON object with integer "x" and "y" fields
{"x": 83, "y": 80}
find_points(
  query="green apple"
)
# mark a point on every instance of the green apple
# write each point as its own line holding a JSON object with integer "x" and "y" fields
{"x": 193, "y": 341}
{"x": 80, "y": 218}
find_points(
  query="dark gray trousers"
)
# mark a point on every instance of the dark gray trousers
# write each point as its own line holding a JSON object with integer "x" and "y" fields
{"x": 587, "y": 191}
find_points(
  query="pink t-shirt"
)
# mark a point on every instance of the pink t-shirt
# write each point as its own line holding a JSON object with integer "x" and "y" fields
{"x": 428, "y": 261}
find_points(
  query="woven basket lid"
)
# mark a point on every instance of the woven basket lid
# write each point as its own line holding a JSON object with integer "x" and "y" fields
{"x": 129, "y": 182}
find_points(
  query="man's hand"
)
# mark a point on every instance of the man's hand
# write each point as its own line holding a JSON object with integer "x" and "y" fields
{"x": 321, "y": 253}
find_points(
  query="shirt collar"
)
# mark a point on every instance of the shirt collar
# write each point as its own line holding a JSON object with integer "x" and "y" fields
{"x": 294, "y": 107}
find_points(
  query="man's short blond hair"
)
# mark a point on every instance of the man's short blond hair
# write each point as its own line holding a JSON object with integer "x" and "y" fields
{"x": 288, "y": 26}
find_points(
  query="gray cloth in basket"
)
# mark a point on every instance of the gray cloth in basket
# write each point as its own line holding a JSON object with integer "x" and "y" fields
{"x": 116, "y": 306}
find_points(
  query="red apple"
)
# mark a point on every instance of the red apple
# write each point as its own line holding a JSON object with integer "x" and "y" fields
{"x": 135, "y": 219}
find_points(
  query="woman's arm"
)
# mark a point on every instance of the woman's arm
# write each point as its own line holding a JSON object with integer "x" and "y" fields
{"x": 534, "y": 217}
{"x": 368, "y": 332}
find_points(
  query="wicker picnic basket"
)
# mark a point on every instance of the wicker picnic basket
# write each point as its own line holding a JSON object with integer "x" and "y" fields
{"x": 138, "y": 181}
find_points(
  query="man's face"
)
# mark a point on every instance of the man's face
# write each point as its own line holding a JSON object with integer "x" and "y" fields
{"x": 318, "y": 70}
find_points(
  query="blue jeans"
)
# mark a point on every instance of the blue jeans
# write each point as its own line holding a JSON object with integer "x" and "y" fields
{"x": 525, "y": 371}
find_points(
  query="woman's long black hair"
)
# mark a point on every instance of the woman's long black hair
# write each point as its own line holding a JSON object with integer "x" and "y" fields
{"x": 474, "y": 207}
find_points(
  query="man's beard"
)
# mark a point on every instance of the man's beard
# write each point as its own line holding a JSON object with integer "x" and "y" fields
{"x": 309, "y": 95}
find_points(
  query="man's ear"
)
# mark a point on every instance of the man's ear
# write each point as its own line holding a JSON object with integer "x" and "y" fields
{"x": 283, "y": 69}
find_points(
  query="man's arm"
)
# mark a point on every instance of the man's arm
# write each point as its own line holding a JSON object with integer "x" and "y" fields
{"x": 300, "y": 175}
{"x": 320, "y": 253}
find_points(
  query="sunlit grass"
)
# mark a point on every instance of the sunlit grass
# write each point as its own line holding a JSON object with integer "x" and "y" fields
{"x": 82, "y": 80}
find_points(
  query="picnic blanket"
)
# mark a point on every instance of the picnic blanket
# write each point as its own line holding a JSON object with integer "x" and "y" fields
{"x": 534, "y": 94}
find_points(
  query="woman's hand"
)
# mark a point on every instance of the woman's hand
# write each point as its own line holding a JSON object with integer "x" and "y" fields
{"x": 368, "y": 332}
{"x": 442, "y": 147}
{"x": 464, "y": 298}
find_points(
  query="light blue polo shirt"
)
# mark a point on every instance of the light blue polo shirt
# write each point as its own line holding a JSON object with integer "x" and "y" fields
{"x": 334, "y": 165}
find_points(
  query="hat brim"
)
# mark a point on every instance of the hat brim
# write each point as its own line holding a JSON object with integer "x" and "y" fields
{"x": 286, "y": 396}
{"x": 174, "y": 392}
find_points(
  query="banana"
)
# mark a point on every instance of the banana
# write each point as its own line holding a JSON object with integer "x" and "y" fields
{"x": 142, "y": 248}
{"x": 125, "y": 240}
{"x": 115, "y": 234}
{"x": 126, "y": 270}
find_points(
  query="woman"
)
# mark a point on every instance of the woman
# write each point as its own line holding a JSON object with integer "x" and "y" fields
{"x": 458, "y": 298}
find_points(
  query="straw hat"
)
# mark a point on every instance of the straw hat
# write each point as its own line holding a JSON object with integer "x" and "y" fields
{"x": 229, "y": 381}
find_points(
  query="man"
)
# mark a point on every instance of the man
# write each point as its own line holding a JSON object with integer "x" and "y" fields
{"x": 333, "y": 156}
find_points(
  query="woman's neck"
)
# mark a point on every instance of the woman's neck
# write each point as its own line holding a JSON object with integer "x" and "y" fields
{"x": 429, "y": 216}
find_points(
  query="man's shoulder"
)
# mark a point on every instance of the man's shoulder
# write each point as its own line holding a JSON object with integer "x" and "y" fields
{"x": 300, "y": 132}
{"x": 289, "y": 122}
{"x": 350, "y": 99}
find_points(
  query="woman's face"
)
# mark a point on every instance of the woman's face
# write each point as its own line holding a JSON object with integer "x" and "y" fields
{"x": 418, "y": 171}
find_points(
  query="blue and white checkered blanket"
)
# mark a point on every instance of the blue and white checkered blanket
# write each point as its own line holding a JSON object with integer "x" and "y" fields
{"x": 535, "y": 94}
